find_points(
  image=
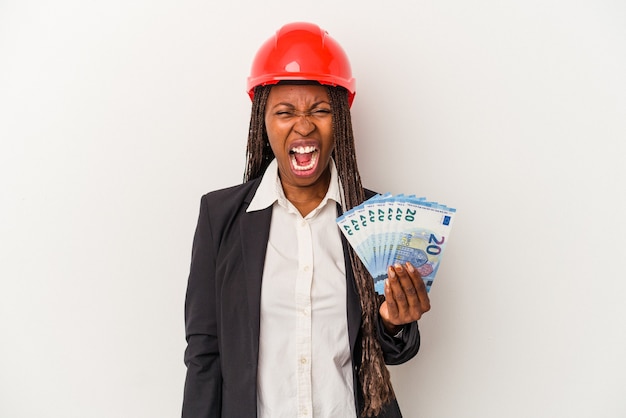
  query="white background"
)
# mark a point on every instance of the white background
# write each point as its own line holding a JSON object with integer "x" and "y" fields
{"x": 116, "y": 116}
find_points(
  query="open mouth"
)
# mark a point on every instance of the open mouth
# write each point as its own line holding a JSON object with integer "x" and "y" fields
{"x": 303, "y": 158}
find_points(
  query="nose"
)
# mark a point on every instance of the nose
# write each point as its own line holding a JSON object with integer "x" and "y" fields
{"x": 303, "y": 125}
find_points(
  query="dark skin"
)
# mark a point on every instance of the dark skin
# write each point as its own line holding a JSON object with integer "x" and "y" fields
{"x": 406, "y": 298}
{"x": 298, "y": 120}
{"x": 299, "y": 116}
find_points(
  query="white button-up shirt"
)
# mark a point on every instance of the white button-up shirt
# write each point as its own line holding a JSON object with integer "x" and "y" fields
{"x": 304, "y": 366}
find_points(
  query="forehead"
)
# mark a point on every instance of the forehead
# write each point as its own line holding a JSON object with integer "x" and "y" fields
{"x": 297, "y": 94}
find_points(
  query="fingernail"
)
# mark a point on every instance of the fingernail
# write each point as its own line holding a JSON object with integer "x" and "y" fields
{"x": 398, "y": 267}
{"x": 409, "y": 267}
{"x": 392, "y": 273}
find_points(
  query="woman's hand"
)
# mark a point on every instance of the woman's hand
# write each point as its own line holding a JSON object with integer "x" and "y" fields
{"x": 406, "y": 298}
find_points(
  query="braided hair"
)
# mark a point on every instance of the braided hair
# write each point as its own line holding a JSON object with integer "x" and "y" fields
{"x": 374, "y": 377}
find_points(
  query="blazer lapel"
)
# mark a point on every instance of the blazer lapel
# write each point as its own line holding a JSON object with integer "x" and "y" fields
{"x": 352, "y": 299}
{"x": 352, "y": 294}
{"x": 255, "y": 231}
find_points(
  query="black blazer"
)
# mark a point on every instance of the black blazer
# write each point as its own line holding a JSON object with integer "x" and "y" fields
{"x": 222, "y": 310}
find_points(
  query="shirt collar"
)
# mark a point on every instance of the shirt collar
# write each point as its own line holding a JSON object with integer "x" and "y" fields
{"x": 271, "y": 190}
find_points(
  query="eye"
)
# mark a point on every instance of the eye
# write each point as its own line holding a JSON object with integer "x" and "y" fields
{"x": 284, "y": 113}
{"x": 321, "y": 111}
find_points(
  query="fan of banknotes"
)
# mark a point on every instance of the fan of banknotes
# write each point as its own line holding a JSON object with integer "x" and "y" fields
{"x": 388, "y": 229}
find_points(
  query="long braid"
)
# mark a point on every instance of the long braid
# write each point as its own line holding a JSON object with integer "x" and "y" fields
{"x": 373, "y": 375}
{"x": 258, "y": 151}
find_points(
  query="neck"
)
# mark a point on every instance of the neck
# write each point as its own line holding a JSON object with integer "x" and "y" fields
{"x": 307, "y": 198}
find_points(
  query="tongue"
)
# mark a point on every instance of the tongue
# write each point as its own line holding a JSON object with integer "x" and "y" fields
{"x": 303, "y": 159}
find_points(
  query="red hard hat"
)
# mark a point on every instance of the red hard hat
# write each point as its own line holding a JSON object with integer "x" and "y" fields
{"x": 301, "y": 51}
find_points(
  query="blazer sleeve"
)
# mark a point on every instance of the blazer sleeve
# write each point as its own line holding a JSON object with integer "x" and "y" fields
{"x": 203, "y": 381}
{"x": 398, "y": 350}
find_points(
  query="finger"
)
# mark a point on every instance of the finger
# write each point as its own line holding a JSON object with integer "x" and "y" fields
{"x": 420, "y": 287}
{"x": 397, "y": 291}
{"x": 407, "y": 287}
{"x": 392, "y": 307}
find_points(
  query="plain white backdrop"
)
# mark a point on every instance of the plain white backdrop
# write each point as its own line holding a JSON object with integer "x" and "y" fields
{"x": 116, "y": 116}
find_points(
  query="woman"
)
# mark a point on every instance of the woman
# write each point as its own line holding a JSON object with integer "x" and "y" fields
{"x": 281, "y": 317}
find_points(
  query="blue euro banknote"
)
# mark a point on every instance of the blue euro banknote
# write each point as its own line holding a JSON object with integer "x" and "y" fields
{"x": 388, "y": 229}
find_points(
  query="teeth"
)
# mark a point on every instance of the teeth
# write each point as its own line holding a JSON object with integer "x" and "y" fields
{"x": 309, "y": 166}
{"x": 303, "y": 150}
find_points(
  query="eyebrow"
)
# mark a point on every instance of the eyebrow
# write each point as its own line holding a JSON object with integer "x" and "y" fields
{"x": 292, "y": 106}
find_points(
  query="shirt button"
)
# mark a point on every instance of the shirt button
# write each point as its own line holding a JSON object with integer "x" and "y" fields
{"x": 303, "y": 360}
{"x": 303, "y": 224}
{"x": 306, "y": 268}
